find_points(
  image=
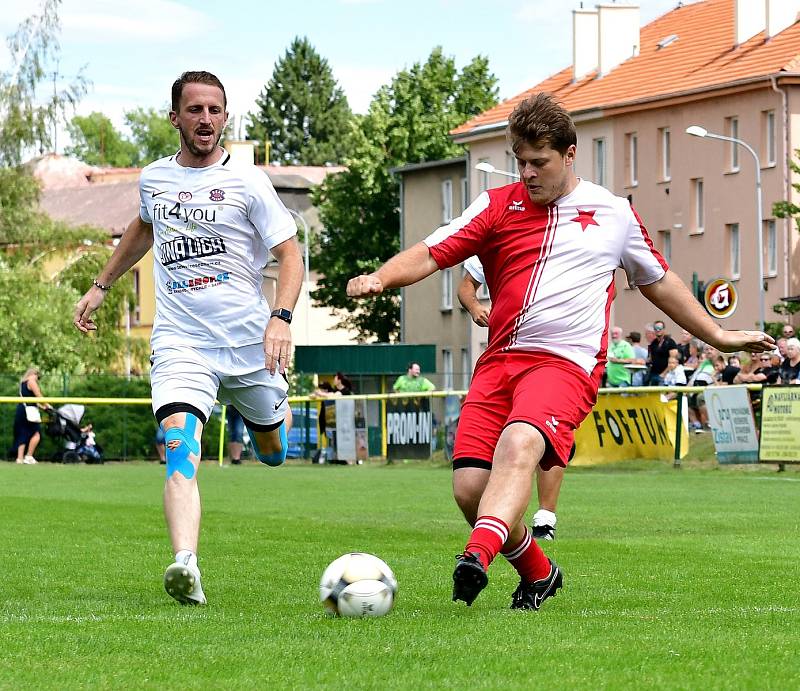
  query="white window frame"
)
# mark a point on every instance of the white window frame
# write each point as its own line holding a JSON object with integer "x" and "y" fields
{"x": 447, "y": 201}
{"x": 483, "y": 177}
{"x": 770, "y": 154}
{"x": 633, "y": 159}
{"x": 732, "y": 127}
{"x": 772, "y": 247}
{"x": 447, "y": 290}
{"x": 447, "y": 369}
{"x": 735, "y": 251}
{"x": 466, "y": 368}
{"x": 599, "y": 161}
{"x": 666, "y": 170}
{"x": 666, "y": 245}
{"x": 698, "y": 205}
{"x": 464, "y": 194}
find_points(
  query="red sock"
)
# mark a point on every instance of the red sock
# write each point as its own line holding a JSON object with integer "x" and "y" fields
{"x": 528, "y": 559}
{"x": 487, "y": 539}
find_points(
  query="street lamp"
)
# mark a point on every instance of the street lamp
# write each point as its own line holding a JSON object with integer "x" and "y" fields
{"x": 307, "y": 239}
{"x": 486, "y": 167}
{"x": 697, "y": 131}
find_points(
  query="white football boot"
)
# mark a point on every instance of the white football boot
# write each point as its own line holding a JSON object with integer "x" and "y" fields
{"x": 182, "y": 582}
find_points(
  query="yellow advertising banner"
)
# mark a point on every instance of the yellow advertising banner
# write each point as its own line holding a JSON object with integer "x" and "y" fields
{"x": 626, "y": 426}
{"x": 780, "y": 424}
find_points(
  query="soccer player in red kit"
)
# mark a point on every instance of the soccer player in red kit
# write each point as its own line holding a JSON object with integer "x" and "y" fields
{"x": 549, "y": 245}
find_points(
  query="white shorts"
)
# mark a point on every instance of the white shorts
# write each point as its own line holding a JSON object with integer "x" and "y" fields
{"x": 236, "y": 376}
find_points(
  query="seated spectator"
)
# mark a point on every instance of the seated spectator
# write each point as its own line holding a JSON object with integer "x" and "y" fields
{"x": 781, "y": 345}
{"x": 702, "y": 376}
{"x": 674, "y": 375}
{"x": 640, "y": 354}
{"x": 620, "y": 353}
{"x": 763, "y": 373}
{"x": 692, "y": 359}
{"x": 788, "y": 331}
{"x": 731, "y": 369}
{"x": 790, "y": 367}
{"x": 684, "y": 341}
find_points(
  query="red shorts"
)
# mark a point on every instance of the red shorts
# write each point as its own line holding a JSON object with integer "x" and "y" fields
{"x": 544, "y": 390}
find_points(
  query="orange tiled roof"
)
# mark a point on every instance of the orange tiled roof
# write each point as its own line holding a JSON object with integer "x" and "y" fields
{"x": 703, "y": 56}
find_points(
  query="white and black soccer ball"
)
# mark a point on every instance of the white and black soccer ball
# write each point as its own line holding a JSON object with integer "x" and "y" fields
{"x": 358, "y": 585}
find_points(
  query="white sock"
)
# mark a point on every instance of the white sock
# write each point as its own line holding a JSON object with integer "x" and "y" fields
{"x": 186, "y": 557}
{"x": 544, "y": 517}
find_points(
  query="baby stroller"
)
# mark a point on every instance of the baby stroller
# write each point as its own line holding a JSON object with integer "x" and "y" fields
{"x": 65, "y": 423}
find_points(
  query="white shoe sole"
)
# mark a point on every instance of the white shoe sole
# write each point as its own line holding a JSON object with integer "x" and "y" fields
{"x": 183, "y": 585}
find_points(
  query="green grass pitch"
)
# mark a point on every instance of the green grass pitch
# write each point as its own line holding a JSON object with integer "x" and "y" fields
{"x": 673, "y": 579}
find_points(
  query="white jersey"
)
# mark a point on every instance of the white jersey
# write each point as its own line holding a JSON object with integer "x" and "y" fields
{"x": 213, "y": 228}
{"x": 550, "y": 269}
{"x": 474, "y": 268}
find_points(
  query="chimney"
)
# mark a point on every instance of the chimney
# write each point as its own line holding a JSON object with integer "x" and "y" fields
{"x": 751, "y": 18}
{"x": 781, "y": 14}
{"x": 618, "y": 34}
{"x": 584, "y": 43}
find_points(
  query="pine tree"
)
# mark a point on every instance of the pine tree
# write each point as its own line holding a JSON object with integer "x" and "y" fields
{"x": 302, "y": 114}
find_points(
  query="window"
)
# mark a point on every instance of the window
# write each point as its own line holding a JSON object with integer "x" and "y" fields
{"x": 447, "y": 289}
{"x": 664, "y": 154}
{"x": 447, "y": 201}
{"x": 464, "y": 194}
{"x": 698, "y": 206}
{"x": 734, "y": 251}
{"x": 465, "y": 368}
{"x": 666, "y": 245}
{"x": 632, "y": 159}
{"x": 483, "y": 177}
{"x": 772, "y": 248}
{"x": 447, "y": 367}
{"x": 769, "y": 155}
{"x": 511, "y": 163}
{"x": 732, "y": 130}
{"x": 599, "y": 147}
{"x": 136, "y": 315}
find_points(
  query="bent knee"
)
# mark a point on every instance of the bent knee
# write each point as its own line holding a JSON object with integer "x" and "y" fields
{"x": 271, "y": 446}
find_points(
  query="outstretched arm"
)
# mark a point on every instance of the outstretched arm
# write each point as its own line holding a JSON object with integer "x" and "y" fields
{"x": 672, "y": 297}
{"x": 133, "y": 245}
{"x": 403, "y": 269}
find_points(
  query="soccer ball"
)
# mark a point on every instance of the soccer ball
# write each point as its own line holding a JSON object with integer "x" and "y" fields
{"x": 358, "y": 585}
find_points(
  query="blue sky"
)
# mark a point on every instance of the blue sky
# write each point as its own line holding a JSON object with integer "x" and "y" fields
{"x": 132, "y": 51}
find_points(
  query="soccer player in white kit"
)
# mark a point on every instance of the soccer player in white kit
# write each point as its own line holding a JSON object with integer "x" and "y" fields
{"x": 211, "y": 224}
{"x": 549, "y": 246}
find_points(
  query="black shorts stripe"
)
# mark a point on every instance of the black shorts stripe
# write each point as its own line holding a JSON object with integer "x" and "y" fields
{"x": 465, "y": 462}
{"x": 261, "y": 428}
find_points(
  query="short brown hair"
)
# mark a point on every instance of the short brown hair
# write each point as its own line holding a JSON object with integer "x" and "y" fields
{"x": 539, "y": 120}
{"x": 195, "y": 78}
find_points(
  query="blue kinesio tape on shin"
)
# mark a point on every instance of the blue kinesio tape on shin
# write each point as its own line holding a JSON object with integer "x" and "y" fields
{"x": 180, "y": 443}
{"x": 278, "y": 457}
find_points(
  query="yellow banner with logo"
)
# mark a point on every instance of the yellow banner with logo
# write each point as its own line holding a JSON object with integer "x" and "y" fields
{"x": 626, "y": 426}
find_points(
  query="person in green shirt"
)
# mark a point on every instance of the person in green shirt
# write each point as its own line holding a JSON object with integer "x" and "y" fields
{"x": 620, "y": 353}
{"x": 412, "y": 380}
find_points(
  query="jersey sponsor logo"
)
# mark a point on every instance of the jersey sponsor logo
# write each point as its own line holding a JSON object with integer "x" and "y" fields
{"x": 552, "y": 424}
{"x": 216, "y": 195}
{"x": 184, "y": 196}
{"x": 196, "y": 283}
{"x": 182, "y": 248}
{"x": 516, "y": 206}
{"x": 585, "y": 218}
{"x": 177, "y": 212}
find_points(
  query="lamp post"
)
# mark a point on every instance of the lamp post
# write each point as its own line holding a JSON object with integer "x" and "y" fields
{"x": 307, "y": 238}
{"x": 486, "y": 167}
{"x": 698, "y": 131}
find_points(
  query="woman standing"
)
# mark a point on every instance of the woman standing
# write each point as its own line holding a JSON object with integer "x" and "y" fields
{"x": 27, "y": 422}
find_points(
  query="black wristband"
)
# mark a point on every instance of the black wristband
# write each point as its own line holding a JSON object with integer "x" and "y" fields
{"x": 97, "y": 284}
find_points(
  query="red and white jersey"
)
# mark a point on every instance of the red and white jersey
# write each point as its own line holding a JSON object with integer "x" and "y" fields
{"x": 213, "y": 228}
{"x": 550, "y": 269}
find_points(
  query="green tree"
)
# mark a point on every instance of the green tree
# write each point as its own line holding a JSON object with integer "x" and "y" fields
{"x": 786, "y": 209}
{"x": 97, "y": 142}
{"x": 35, "y": 306}
{"x": 408, "y": 122}
{"x": 152, "y": 133}
{"x": 302, "y": 113}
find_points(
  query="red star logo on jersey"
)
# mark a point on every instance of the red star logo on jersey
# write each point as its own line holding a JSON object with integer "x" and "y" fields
{"x": 586, "y": 218}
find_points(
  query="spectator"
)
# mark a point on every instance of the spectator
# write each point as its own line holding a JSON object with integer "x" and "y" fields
{"x": 730, "y": 370}
{"x": 27, "y": 420}
{"x": 640, "y": 354}
{"x": 412, "y": 381}
{"x": 790, "y": 367}
{"x": 674, "y": 375}
{"x": 781, "y": 344}
{"x": 693, "y": 359}
{"x": 620, "y": 353}
{"x": 702, "y": 376}
{"x": 788, "y": 331}
{"x": 658, "y": 353}
{"x": 684, "y": 343}
{"x": 235, "y": 423}
{"x": 649, "y": 334}
{"x": 763, "y": 373}
{"x": 342, "y": 386}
